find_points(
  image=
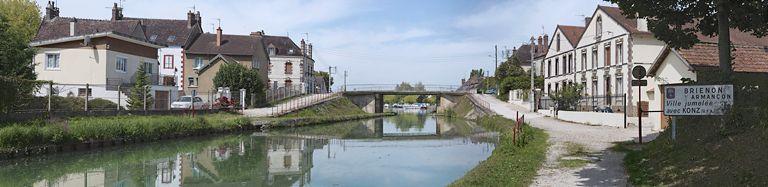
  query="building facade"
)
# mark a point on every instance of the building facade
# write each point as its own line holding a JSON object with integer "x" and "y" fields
{"x": 602, "y": 58}
{"x": 291, "y": 66}
{"x": 205, "y": 56}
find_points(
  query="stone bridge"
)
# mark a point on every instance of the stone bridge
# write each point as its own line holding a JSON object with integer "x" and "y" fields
{"x": 370, "y": 97}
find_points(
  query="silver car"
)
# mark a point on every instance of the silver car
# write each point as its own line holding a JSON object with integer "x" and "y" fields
{"x": 185, "y": 102}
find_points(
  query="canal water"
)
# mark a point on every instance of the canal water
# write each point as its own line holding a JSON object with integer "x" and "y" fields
{"x": 403, "y": 150}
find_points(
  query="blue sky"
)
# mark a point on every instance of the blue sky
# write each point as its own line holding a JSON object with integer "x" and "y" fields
{"x": 377, "y": 41}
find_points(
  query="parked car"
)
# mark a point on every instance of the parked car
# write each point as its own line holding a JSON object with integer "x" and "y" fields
{"x": 185, "y": 102}
{"x": 491, "y": 91}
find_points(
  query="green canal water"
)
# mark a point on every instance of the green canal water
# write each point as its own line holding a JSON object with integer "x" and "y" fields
{"x": 403, "y": 150}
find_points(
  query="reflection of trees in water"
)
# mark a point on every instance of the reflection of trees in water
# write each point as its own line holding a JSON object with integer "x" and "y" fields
{"x": 406, "y": 122}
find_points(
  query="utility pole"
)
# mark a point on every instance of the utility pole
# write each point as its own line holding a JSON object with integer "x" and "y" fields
{"x": 496, "y": 66}
{"x": 345, "y": 81}
{"x": 330, "y": 77}
{"x": 532, "y": 93}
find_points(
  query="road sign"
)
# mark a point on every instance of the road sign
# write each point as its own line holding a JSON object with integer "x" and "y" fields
{"x": 639, "y": 82}
{"x": 697, "y": 100}
{"x": 638, "y": 72}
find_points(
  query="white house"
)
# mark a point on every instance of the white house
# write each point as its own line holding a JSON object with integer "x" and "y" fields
{"x": 291, "y": 66}
{"x": 750, "y": 57}
{"x": 602, "y": 58}
{"x": 95, "y": 57}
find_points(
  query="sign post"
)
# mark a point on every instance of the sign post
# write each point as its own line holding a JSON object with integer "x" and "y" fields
{"x": 638, "y": 72}
{"x": 696, "y": 100}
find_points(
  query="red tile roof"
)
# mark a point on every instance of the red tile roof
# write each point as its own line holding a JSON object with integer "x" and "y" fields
{"x": 572, "y": 33}
{"x": 747, "y": 59}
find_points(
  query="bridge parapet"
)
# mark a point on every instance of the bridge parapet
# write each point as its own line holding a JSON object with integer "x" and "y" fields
{"x": 394, "y": 89}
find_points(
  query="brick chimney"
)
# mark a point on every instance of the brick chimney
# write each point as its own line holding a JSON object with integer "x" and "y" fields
{"x": 117, "y": 12}
{"x": 191, "y": 19}
{"x": 546, "y": 41}
{"x": 309, "y": 53}
{"x": 51, "y": 11}
{"x": 533, "y": 45}
{"x": 218, "y": 36}
{"x": 303, "y": 47}
{"x": 257, "y": 33}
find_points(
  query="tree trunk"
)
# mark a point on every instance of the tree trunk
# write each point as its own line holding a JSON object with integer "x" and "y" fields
{"x": 724, "y": 39}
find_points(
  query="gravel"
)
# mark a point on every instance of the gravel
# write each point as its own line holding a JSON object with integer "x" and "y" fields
{"x": 607, "y": 168}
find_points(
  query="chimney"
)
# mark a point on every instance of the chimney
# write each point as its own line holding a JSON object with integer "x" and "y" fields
{"x": 546, "y": 41}
{"x": 191, "y": 19}
{"x": 303, "y": 47}
{"x": 642, "y": 24}
{"x": 310, "y": 51}
{"x": 533, "y": 45}
{"x": 218, "y": 36}
{"x": 587, "y": 20}
{"x": 72, "y": 27}
{"x": 117, "y": 12}
{"x": 199, "y": 20}
{"x": 463, "y": 80}
{"x": 51, "y": 11}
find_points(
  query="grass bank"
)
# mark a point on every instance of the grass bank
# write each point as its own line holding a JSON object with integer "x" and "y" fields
{"x": 708, "y": 151}
{"x": 42, "y": 137}
{"x": 509, "y": 164}
{"x": 338, "y": 106}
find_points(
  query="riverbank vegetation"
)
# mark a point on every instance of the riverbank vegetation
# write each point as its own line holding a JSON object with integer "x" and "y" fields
{"x": 335, "y": 107}
{"x": 510, "y": 164}
{"x": 43, "y": 136}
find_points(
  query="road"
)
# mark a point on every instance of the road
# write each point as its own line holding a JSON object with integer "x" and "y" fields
{"x": 606, "y": 168}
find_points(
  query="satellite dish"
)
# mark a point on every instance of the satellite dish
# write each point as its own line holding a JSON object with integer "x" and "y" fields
{"x": 87, "y": 41}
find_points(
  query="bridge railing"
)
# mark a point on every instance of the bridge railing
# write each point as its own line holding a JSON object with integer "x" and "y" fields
{"x": 394, "y": 87}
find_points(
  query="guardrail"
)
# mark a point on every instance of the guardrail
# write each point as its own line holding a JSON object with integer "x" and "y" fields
{"x": 395, "y": 87}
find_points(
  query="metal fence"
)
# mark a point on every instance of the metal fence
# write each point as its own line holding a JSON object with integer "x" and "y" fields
{"x": 600, "y": 103}
{"x": 275, "y": 95}
{"x": 301, "y": 102}
{"x": 394, "y": 87}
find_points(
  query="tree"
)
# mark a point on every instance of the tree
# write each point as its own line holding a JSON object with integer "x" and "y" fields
{"x": 476, "y": 73}
{"x": 140, "y": 90}
{"x": 17, "y": 75}
{"x": 326, "y": 78}
{"x": 23, "y": 17}
{"x": 676, "y": 22}
{"x": 236, "y": 77}
{"x": 568, "y": 97}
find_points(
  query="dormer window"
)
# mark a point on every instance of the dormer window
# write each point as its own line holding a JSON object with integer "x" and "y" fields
{"x": 599, "y": 27}
{"x": 153, "y": 38}
{"x": 272, "y": 51}
{"x": 171, "y": 38}
{"x": 290, "y": 51}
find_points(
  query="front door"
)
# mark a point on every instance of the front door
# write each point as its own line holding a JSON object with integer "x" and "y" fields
{"x": 162, "y": 98}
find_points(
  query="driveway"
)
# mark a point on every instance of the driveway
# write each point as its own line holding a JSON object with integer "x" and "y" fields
{"x": 606, "y": 167}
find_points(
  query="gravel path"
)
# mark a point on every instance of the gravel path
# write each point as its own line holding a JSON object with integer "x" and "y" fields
{"x": 606, "y": 168}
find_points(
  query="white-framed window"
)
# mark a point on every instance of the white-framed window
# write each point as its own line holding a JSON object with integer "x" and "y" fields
{"x": 272, "y": 51}
{"x": 192, "y": 81}
{"x": 619, "y": 52}
{"x": 619, "y": 85}
{"x": 599, "y": 27}
{"x": 52, "y": 61}
{"x": 168, "y": 61}
{"x": 594, "y": 57}
{"x": 198, "y": 62}
{"x": 121, "y": 64}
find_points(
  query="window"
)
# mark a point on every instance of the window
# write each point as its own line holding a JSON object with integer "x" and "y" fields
{"x": 607, "y": 55}
{"x": 272, "y": 51}
{"x": 594, "y": 87}
{"x": 120, "y": 64}
{"x": 557, "y": 85}
{"x": 192, "y": 81}
{"x": 619, "y": 53}
{"x": 549, "y": 88}
{"x": 288, "y": 83}
{"x": 565, "y": 65}
{"x": 608, "y": 90}
{"x": 584, "y": 60}
{"x": 168, "y": 61}
{"x": 171, "y": 38}
{"x": 288, "y": 68}
{"x": 619, "y": 85}
{"x": 570, "y": 63}
{"x": 599, "y": 27}
{"x": 557, "y": 70}
{"x": 549, "y": 68}
{"x": 169, "y": 81}
{"x": 198, "y": 62}
{"x": 52, "y": 61}
{"x": 81, "y": 92}
{"x": 153, "y": 38}
{"x": 584, "y": 91}
{"x": 594, "y": 58}
{"x": 148, "y": 67}
{"x": 557, "y": 44}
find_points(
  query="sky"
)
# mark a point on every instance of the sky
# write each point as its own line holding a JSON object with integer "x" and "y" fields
{"x": 376, "y": 42}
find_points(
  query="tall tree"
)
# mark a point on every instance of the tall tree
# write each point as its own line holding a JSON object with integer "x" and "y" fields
{"x": 140, "y": 90}
{"x": 23, "y": 16}
{"x": 236, "y": 77}
{"x": 17, "y": 76}
{"x": 676, "y": 22}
